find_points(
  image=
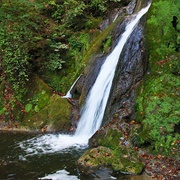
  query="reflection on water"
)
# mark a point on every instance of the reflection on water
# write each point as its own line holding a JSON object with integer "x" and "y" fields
{"x": 15, "y": 164}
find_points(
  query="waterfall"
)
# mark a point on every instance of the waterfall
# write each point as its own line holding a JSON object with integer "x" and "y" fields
{"x": 93, "y": 111}
{"x": 94, "y": 108}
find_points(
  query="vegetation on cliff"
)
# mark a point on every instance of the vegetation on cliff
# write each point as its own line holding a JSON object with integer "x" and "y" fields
{"x": 158, "y": 107}
{"x": 47, "y": 38}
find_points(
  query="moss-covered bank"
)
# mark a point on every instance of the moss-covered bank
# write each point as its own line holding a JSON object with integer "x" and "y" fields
{"x": 40, "y": 110}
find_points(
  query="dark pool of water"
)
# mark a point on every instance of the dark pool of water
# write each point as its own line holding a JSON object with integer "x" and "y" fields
{"x": 15, "y": 165}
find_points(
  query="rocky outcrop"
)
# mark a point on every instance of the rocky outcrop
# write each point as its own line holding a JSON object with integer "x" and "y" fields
{"x": 111, "y": 147}
{"x": 119, "y": 159}
{"x": 46, "y": 110}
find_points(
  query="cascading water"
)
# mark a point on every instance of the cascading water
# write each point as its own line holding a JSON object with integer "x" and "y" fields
{"x": 94, "y": 108}
{"x": 69, "y": 95}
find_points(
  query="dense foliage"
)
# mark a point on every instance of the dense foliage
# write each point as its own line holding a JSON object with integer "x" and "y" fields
{"x": 158, "y": 102}
{"x": 36, "y": 36}
{"x": 47, "y": 38}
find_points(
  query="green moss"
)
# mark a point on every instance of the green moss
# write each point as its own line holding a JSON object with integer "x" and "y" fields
{"x": 97, "y": 43}
{"x": 126, "y": 160}
{"x": 44, "y": 108}
{"x": 35, "y": 86}
{"x": 37, "y": 97}
{"x": 59, "y": 111}
{"x": 54, "y": 115}
{"x": 107, "y": 44}
{"x": 94, "y": 158}
{"x": 110, "y": 139}
{"x": 37, "y": 120}
{"x": 121, "y": 159}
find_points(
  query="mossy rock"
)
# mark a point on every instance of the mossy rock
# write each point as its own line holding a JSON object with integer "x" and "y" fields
{"x": 35, "y": 86}
{"x": 126, "y": 160}
{"x": 108, "y": 151}
{"x": 108, "y": 137}
{"x": 35, "y": 100}
{"x": 44, "y": 109}
{"x": 111, "y": 138}
{"x": 37, "y": 121}
{"x": 59, "y": 111}
{"x": 121, "y": 159}
{"x": 55, "y": 116}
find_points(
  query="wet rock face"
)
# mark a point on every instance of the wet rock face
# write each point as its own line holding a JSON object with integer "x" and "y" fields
{"x": 131, "y": 7}
{"x": 130, "y": 69}
{"x": 87, "y": 79}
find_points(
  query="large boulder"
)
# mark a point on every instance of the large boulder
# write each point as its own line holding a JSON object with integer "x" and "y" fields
{"x": 120, "y": 159}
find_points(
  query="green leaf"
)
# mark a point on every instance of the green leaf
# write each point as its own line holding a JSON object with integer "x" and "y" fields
{"x": 28, "y": 107}
{"x": 36, "y": 108}
{"x": 2, "y": 110}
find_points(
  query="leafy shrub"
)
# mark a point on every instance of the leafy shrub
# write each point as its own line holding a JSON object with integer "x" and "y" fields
{"x": 159, "y": 110}
{"x": 158, "y": 107}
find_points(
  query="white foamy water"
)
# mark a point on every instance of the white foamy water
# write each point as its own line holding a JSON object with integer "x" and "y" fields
{"x": 60, "y": 175}
{"x": 93, "y": 111}
{"x": 51, "y": 143}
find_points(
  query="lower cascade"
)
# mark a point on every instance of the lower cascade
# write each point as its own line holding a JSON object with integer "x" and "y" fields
{"x": 93, "y": 111}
